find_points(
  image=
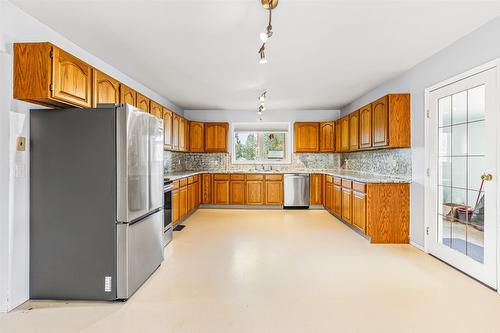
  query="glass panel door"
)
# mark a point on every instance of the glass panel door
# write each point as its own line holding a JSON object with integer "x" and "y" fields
{"x": 463, "y": 156}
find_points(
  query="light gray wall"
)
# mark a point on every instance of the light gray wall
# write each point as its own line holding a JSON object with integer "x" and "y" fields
{"x": 17, "y": 26}
{"x": 477, "y": 48}
{"x": 268, "y": 115}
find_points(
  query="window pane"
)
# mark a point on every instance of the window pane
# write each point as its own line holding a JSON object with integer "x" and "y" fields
{"x": 476, "y": 102}
{"x": 445, "y": 111}
{"x": 273, "y": 146}
{"x": 245, "y": 146}
{"x": 459, "y": 108}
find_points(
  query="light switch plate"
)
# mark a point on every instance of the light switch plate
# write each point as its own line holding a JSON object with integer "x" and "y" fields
{"x": 21, "y": 143}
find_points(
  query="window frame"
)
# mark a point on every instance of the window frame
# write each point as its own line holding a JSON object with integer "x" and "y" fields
{"x": 288, "y": 142}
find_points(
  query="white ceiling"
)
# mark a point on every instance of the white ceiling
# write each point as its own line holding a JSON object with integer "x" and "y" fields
{"x": 202, "y": 54}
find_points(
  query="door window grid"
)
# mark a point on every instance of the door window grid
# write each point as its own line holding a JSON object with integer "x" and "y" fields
{"x": 457, "y": 196}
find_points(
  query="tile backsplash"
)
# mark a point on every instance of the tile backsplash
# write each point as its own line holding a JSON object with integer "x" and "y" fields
{"x": 394, "y": 162}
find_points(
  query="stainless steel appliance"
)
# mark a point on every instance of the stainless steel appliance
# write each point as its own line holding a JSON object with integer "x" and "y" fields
{"x": 96, "y": 224}
{"x": 296, "y": 188}
{"x": 167, "y": 211}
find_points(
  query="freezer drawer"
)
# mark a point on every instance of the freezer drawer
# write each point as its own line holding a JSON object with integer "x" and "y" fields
{"x": 139, "y": 253}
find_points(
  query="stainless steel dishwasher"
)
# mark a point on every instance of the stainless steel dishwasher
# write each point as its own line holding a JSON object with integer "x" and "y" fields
{"x": 296, "y": 189}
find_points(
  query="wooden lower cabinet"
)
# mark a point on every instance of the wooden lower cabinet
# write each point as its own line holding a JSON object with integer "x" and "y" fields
{"x": 274, "y": 192}
{"x": 183, "y": 202}
{"x": 191, "y": 197}
{"x": 315, "y": 189}
{"x": 255, "y": 192}
{"x": 337, "y": 200}
{"x": 220, "y": 189}
{"x": 206, "y": 189}
{"x": 175, "y": 206}
{"x": 359, "y": 211}
{"x": 347, "y": 204}
{"x": 328, "y": 196}
{"x": 237, "y": 192}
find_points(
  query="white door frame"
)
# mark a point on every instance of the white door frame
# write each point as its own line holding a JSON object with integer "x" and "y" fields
{"x": 494, "y": 64}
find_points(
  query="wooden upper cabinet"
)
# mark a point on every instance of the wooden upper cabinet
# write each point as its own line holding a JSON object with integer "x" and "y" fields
{"x": 196, "y": 136}
{"x": 327, "y": 136}
{"x": 47, "y": 75}
{"x": 156, "y": 109}
{"x": 167, "y": 128}
{"x": 338, "y": 136}
{"x": 354, "y": 131}
{"x": 183, "y": 134}
{"x": 306, "y": 137}
{"x": 344, "y": 130}
{"x": 142, "y": 102}
{"x": 216, "y": 137}
{"x": 380, "y": 122}
{"x": 365, "y": 127}
{"x": 399, "y": 121}
{"x": 128, "y": 95}
{"x": 72, "y": 79}
{"x": 105, "y": 88}
{"x": 175, "y": 131}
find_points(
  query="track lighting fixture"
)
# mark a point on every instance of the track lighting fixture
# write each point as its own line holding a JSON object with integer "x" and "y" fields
{"x": 264, "y": 36}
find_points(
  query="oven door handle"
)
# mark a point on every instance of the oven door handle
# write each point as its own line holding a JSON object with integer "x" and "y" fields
{"x": 168, "y": 188}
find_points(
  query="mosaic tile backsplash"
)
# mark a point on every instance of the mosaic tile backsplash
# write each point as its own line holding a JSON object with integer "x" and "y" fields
{"x": 393, "y": 162}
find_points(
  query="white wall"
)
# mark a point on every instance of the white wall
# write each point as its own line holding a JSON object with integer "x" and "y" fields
{"x": 268, "y": 115}
{"x": 470, "y": 51}
{"x": 17, "y": 26}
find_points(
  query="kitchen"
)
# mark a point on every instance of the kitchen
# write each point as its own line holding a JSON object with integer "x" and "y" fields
{"x": 317, "y": 192}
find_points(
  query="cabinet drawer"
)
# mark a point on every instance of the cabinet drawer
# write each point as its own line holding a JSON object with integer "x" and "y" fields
{"x": 346, "y": 183}
{"x": 190, "y": 180}
{"x": 183, "y": 182}
{"x": 196, "y": 178}
{"x": 337, "y": 181}
{"x": 220, "y": 176}
{"x": 274, "y": 177}
{"x": 254, "y": 177}
{"x": 328, "y": 179}
{"x": 237, "y": 177}
{"x": 175, "y": 184}
{"x": 359, "y": 187}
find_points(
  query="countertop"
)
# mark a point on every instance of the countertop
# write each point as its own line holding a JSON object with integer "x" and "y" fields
{"x": 352, "y": 175}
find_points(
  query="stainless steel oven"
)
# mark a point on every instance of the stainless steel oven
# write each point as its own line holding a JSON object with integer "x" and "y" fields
{"x": 167, "y": 211}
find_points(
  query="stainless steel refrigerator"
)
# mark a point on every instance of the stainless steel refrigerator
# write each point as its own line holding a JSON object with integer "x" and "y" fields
{"x": 96, "y": 198}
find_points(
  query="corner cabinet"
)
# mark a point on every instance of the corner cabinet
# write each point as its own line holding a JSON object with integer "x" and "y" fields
{"x": 106, "y": 89}
{"x": 44, "y": 74}
{"x": 216, "y": 137}
{"x": 306, "y": 137}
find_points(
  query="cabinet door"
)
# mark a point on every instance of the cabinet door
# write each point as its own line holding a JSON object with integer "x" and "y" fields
{"x": 175, "y": 206}
{"x": 105, "y": 88}
{"x": 167, "y": 128}
{"x": 359, "y": 210}
{"x": 197, "y": 199}
{"x": 347, "y": 204}
{"x": 344, "y": 128}
{"x": 216, "y": 137}
{"x": 380, "y": 123}
{"x": 337, "y": 200}
{"x": 354, "y": 131}
{"x": 196, "y": 136}
{"x": 274, "y": 192}
{"x": 71, "y": 80}
{"x": 338, "y": 136}
{"x": 142, "y": 102}
{"x": 156, "y": 109}
{"x": 327, "y": 136}
{"x": 175, "y": 131}
{"x": 221, "y": 192}
{"x": 365, "y": 126}
{"x": 306, "y": 137}
{"x": 237, "y": 196}
{"x": 329, "y": 196}
{"x": 255, "y": 192}
{"x": 206, "y": 197}
{"x": 182, "y": 134}
{"x": 191, "y": 197}
{"x": 183, "y": 202}
{"x": 315, "y": 189}
{"x": 127, "y": 95}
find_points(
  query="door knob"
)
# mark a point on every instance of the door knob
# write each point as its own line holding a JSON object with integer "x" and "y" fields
{"x": 487, "y": 177}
